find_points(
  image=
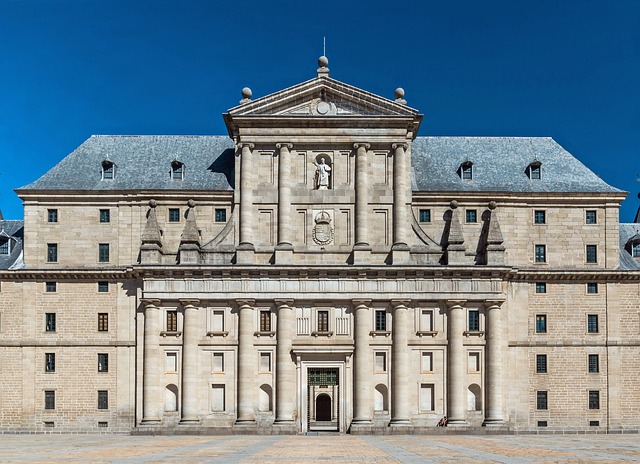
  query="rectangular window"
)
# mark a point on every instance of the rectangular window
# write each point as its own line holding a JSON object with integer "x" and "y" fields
{"x": 217, "y": 321}
{"x": 105, "y": 215}
{"x": 217, "y": 398}
{"x": 174, "y": 214}
{"x": 381, "y": 321}
{"x": 592, "y": 323}
{"x": 592, "y": 287}
{"x": 541, "y": 363}
{"x": 541, "y": 254}
{"x": 49, "y": 362}
{"x": 103, "y": 362}
{"x": 323, "y": 321}
{"x": 635, "y": 250}
{"x": 541, "y": 287}
{"x": 4, "y": 246}
{"x": 218, "y": 362}
{"x": 52, "y": 215}
{"x": 172, "y": 321}
{"x": 542, "y": 423}
{"x": 107, "y": 170}
{"x": 594, "y": 399}
{"x": 103, "y": 252}
{"x": 103, "y": 399}
{"x": 265, "y": 362}
{"x": 426, "y": 320}
{"x": 473, "y": 363}
{"x": 467, "y": 172}
{"x": 425, "y": 215}
{"x": 103, "y": 322}
{"x": 427, "y": 361}
{"x": 221, "y": 215}
{"x": 594, "y": 363}
{"x": 50, "y": 287}
{"x": 50, "y": 322}
{"x": 592, "y": 253}
{"x": 541, "y": 400}
{"x": 381, "y": 362}
{"x": 472, "y": 215}
{"x": 426, "y": 397}
{"x": 541, "y": 323}
{"x": 591, "y": 216}
{"x": 49, "y": 399}
{"x": 535, "y": 172}
{"x": 540, "y": 216}
{"x": 594, "y": 423}
{"x": 103, "y": 287}
{"x": 265, "y": 321}
{"x": 171, "y": 362}
{"x": 52, "y": 252}
{"x": 474, "y": 320}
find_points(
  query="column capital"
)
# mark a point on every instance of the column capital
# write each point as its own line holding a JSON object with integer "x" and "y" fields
{"x": 402, "y": 145}
{"x": 283, "y": 302}
{"x": 246, "y": 302}
{"x": 189, "y": 302}
{"x": 150, "y": 302}
{"x": 361, "y": 302}
{"x": 400, "y": 303}
{"x": 282, "y": 145}
{"x": 493, "y": 304}
{"x": 361, "y": 144}
{"x": 248, "y": 145}
{"x": 453, "y": 304}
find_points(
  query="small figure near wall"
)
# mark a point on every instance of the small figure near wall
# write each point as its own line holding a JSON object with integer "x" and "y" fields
{"x": 442, "y": 422}
{"x": 321, "y": 178}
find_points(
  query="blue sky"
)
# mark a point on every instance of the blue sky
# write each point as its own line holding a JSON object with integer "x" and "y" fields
{"x": 569, "y": 69}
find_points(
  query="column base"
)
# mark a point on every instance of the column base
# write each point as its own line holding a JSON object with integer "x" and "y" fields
{"x": 361, "y": 253}
{"x": 150, "y": 421}
{"x": 283, "y": 254}
{"x": 400, "y": 423}
{"x": 400, "y": 253}
{"x": 494, "y": 423}
{"x": 189, "y": 421}
{"x": 245, "y": 253}
{"x": 457, "y": 423}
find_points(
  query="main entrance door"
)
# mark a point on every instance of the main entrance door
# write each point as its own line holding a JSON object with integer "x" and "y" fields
{"x": 323, "y": 393}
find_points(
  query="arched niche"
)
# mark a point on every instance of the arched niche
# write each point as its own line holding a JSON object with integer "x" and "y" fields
{"x": 171, "y": 398}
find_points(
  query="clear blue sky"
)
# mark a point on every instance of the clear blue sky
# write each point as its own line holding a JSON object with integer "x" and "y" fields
{"x": 569, "y": 69}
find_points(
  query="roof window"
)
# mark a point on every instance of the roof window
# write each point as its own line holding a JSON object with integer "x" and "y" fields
{"x": 534, "y": 170}
{"x": 633, "y": 246}
{"x": 465, "y": 171}
{"x": 108, "y": 170}
{"x": 177, "y": 170}
{"x": 5, "y": 247}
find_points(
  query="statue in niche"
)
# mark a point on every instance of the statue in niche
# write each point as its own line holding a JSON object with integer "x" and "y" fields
{"x": 321, "y": 178}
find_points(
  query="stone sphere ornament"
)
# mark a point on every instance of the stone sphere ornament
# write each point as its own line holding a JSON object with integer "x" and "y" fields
{"x": 323, "y": 61}
{"x": 246, "y": 92}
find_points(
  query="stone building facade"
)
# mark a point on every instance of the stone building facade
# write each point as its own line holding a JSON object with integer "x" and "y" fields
{"x": 320, "y": 268}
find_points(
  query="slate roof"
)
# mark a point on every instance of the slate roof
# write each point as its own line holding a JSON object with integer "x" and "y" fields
{"x": 628, "y": 231}
{"x": 144, "y": 163}
{"x": 14, "y": 231}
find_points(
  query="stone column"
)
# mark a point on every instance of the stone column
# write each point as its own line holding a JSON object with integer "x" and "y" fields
{"x": 284, "y": 194}
{"x": 400, "y": 183}
{"x": 152, "y": 402}
{"x": 362, "y": 186}
{"x": 285, "y": 366}
{"x": 190, "y": 352}
{"x": 400, "y": 364}
{"x": 363, "y": 404}
{"x": 246, "y": 197}
{"x": 247, "y": 364}
{"x": 456, "y": 404}
{"x": 493, "y": 365}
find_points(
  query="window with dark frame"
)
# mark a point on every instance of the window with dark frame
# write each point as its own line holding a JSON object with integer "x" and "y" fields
{"x": 52, "y": 252}
{"x": 541, "y": 287}
{"x": 540, "y": 216}
{"x": 542, "y": 423}
{"x": 466, "y": 170}
{"x": 592, "y": 287}
{"x": 177, "y": 170}
{"x": 221, "y": 215}
{"x": 381, "y": 321}
{"x": 108, "y": 170}
{"x": 50, "y": 287}
{"x": 103, "y": 287}
{"x": 103, "y": 252}
{"x": 635, "y": 250}
{"x": 265, "y": 321}
{"x": 541, "y": 254}
{"x": 594, "y": 363}
{"x": 474, "y": 320}
{"x": 105, "y": 215}
{"x": 52, "y": 215}
{"x": 174, "y": 214}
{"x": 541, "y": 323}
{"x": 425, "y": 215}
{"x": 535, "y": 171}
{"x": 172, "y": 321}
{"x": 591, "y": 216}
{"x": 103, "y": 362}
{"x": 541, "y": 363}
{"x": 103, "y": 322}
{"x": 592, "y": 254}
{"x": 541, "y": 400}
{"x": 471, "y": 216}
{"x": 594, "y": 399}
{"x": 323, "y": 321}
{"x": 103, "y": 399}
{"x": 49, "y": 362}
{"x": 49, "y": 399}
{"x": 50, "y": 322}
{"x": 4, "y": 246}
{"x": 592, "y": 323}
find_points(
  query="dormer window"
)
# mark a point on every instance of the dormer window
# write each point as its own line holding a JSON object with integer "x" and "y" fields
{"x": 534, "y": 170}
{"x": 177, "y": 170}
{"x": 635, "y": 250}
{"x": 5, "y": 248}
{"x": 633, "y": 246}
{"x": 108, "y": 170}
{"x": 465, "y": 171}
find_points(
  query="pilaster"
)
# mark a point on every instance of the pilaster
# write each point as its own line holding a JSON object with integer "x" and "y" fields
{"x": 152, "y": 404}
{"x": 246, "y": 364}
{"x": 494, "y": 408}
{"x": 190, "y": 354}
{"x": 246, "y": 249}
{"x": 362, "y": 248}
{"x": 456, "y": 404}
{"x": 363, "y": 402}
{"x": 400, "y": 249}
{"x": 400, "y": 364}
{"x": 284, "y": 249}
{"x": 285, "y": 366}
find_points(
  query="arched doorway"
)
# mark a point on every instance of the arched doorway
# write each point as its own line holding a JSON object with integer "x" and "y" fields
{"x": 323, "y": 407}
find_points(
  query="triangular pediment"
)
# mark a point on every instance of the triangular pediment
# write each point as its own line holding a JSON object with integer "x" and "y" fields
{"x": 322, "y": 96}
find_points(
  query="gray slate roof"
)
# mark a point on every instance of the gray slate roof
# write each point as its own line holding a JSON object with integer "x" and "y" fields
{"x": 627, "y": 231}
{"x": 14, "y": 231}
{"x": 144, "y": 163}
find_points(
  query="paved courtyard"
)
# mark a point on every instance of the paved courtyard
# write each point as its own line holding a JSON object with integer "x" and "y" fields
{"x": 123, "y": 449}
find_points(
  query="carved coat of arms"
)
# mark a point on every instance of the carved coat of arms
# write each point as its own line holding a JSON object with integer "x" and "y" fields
{"x": 322, "y": 231}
